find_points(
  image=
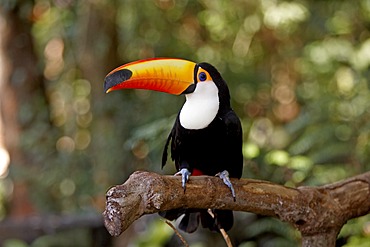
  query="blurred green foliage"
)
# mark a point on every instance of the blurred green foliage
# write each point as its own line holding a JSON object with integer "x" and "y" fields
{"x": 298, "y": 72}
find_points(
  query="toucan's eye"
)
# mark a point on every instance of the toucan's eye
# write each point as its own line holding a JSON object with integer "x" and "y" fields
{"x": 202, "y": 76}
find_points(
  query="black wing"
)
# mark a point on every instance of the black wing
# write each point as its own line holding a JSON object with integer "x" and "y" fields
{"x": 234, "y": 140}
{"x": 171, "y": 136}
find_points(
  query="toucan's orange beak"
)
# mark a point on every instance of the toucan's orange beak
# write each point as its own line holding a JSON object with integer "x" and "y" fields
{"x": 169, "y": 75}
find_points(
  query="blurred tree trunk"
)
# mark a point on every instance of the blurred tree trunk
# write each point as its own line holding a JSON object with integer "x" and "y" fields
{"x": 97, "y": 25}
{"x": 97, "y": 21}
{"x": 22, "y": 98}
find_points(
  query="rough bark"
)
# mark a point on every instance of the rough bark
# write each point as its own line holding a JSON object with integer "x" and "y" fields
{"x": 317, "y": 212}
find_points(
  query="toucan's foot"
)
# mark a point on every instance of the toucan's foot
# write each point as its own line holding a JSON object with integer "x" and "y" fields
{"x": 185, "y": 174}
{"x": 225, "y": 178}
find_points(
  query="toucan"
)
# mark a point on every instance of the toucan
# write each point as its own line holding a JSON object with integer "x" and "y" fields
{"x": 206, "y": 138}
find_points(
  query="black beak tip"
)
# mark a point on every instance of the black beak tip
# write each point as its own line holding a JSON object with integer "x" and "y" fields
{"x": 116, "y": 78}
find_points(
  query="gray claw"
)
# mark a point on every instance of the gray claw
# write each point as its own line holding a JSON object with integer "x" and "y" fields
{"x": 225, "y": 178}
{"x": 185, "y": 174}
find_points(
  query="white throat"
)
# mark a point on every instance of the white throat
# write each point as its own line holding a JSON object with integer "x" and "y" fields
{"x": 201, "y": 106}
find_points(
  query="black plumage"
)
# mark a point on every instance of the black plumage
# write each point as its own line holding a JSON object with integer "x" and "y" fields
{"x": 210, "y": 150}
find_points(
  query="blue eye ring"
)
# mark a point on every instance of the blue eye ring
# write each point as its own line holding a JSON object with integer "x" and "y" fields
{"x": 202, "y": 76}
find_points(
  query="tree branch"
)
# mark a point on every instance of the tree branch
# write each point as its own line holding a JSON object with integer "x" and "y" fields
{"x": 317, "y": 212}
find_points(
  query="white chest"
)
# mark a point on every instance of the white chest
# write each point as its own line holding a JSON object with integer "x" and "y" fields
{"x": 201, "y": 106}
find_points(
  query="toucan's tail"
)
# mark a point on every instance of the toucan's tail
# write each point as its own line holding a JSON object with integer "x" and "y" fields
{"x": 189, "y": 223}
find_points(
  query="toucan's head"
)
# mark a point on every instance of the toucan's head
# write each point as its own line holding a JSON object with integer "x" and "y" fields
{"x": 205, "y": 90}
{"x": 169, "y": 75}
